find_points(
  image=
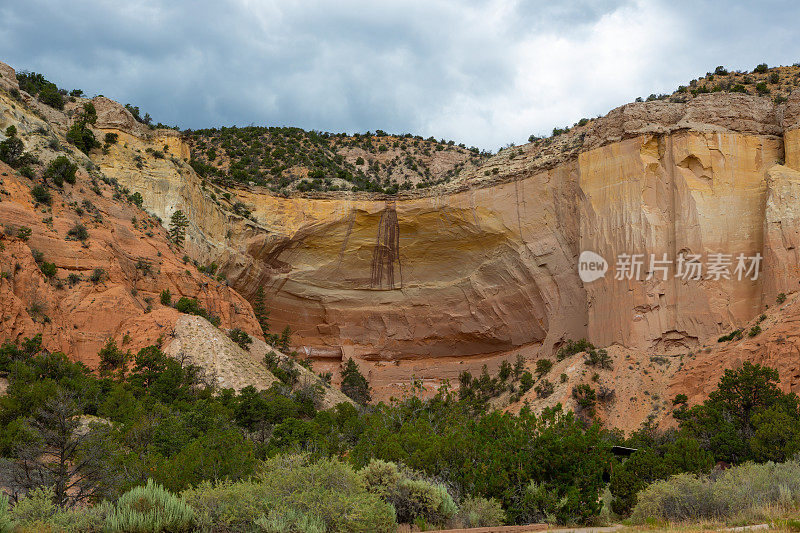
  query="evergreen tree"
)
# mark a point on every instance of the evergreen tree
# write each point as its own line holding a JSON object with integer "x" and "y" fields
{"x": 354, "y": 384}
{"x": 12, "y": 150}
{"x": 79, "y": 133}
{"x": 284, "y": 343}
{"x": 260, "y": 310}
{"x": 177, "y": 228}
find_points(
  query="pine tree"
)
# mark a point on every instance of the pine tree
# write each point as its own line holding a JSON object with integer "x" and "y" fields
{"x": 260, "y": 310}
{"x": 177, "y": 228}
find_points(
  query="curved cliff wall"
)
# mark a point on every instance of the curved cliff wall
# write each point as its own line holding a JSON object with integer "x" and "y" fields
{"x": 488, "y": 266}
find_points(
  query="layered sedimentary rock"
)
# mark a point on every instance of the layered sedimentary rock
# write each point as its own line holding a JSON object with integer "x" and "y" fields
{"x": 486, "y": 266}
{"x": 488, "y": 263}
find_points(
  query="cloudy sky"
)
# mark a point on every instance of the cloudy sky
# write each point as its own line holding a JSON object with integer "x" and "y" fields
{"x": 481, "y": 72}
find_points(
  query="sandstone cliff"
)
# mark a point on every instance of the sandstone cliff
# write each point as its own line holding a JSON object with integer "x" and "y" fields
{"x": 485, "y": 267}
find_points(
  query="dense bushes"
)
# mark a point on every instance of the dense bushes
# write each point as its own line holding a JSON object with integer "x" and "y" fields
{"x": 415, "y": 499}
{"x": 234, "y": 455}
{"x": 747, "y": 418}
{"x": 293, "y": 489}
{"x": 749, "y": 492}
{"x": 442, "y": 435}
{"x": 654, "y": 463}
{"x": 78, "y": 232}
{"x": 36, "y": 85}
{"x": 241, "y": 338}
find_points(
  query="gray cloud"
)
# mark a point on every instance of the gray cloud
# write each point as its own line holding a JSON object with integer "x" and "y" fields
{"x": 484, "y": 72}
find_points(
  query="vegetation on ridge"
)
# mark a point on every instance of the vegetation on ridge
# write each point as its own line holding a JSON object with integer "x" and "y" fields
{"x": 286, "y": 159}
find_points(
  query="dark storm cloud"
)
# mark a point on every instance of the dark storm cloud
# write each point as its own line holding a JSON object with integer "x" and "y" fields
{"x": 481, "y": 72}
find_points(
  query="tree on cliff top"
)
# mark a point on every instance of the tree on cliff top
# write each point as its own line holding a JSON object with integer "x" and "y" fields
{"x": 177, "y": 228}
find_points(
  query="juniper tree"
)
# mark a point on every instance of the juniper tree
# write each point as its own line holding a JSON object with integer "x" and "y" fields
{"x": 12, "y": 150}
{"x": 79, "y": 133}
{"x": 354, "y": 384}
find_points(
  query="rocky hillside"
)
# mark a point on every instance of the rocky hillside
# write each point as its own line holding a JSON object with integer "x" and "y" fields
{"x": 478, "y": 269}
{"x": 82, "y": 264}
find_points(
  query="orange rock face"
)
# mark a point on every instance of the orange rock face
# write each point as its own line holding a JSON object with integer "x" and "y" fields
{"x": 128, "y": 250}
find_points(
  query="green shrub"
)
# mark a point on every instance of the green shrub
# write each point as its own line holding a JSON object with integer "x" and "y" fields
{"x": 80, "y": 134}
{"x": 37, "y": 512}
{"x": 150, "y": 509}
{"x": 24, "y": 233}
{"x": 544, "y": 389}
{"x": 781, "y": 298}
{"x": 12, "y": 149}
{"x": 111, "y": 138}
{"x": 291, "y": 521}
{"x": 166, "y": 297}
{"x": 747, "y": 490}
{"x": 526, "y": 381}
{"x": 36, "y": 85}
{"x": 7, "y": 524}
{"x": 573, "y": 347}
{"x": 540, "y": 503}
{"x": 479, "y": 512}
{"x": 585, "y": 396}
{"x": 190, "y": 306}
{"x": 543, "y": 366}
{"x": 291, "y": 491}
{"x": 241, "y": 338}
{"x": 60, "y": 170}
{"x": 755, "y": 330}
{"x": 27, "y": 171}
{"x": 733, "y": 335}
{"x": 598, "y": 358}
{"x": 78, "y": 232}
{"x": 227, "y": 506}
{"x": 98, "y": 275}
{"x": 413, "y": 497}
{"x": 354, "y": 384}
{"x": 48, "y": 269}
{"x": 41, "y": 195}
